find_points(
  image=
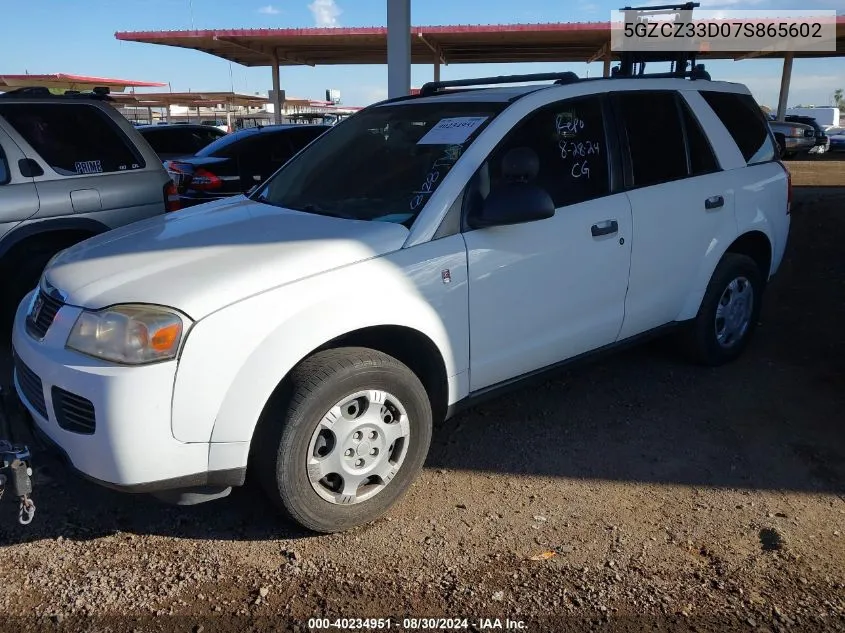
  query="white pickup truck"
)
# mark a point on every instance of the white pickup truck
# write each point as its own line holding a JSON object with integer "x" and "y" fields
{"x": 427, "y": 250}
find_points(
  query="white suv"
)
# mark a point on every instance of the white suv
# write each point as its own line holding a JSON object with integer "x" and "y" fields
{"x": 425, "y": 251}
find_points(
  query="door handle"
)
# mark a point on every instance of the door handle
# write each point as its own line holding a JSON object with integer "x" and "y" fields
{"x": 608, "y": 227}
{"x": 714, "y": 202}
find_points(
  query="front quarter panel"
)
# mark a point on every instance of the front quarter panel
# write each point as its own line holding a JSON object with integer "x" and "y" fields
{"x": 234, "y": 359}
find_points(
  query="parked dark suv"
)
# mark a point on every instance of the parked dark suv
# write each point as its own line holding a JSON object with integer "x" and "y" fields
{"x": 174, "y": 141}
{"x": 822, "y": 141}
{"x": 237, "y": 162}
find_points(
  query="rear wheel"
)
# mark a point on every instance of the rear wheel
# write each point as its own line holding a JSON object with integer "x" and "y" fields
{"x": 347, "y": 439}
{"x": 728, "y": 313}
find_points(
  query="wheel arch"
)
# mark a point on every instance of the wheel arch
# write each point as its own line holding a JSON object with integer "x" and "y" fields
{"x": 755, "y": 243}
{"x": 239, "y": 374}
{"x": 58, "y": 231}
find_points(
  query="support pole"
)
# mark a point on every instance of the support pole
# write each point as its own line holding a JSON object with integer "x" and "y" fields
{"x": 150, "y": 113}
{"x": 606, "y": 65}
{"x": 398, "y": 48}
{"x": 277, "y": 91}
{"x": 784, "y": 84}
{"x": 436, "y": 67}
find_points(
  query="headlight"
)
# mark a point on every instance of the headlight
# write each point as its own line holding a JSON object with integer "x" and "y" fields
{"x": 129, "y": 334}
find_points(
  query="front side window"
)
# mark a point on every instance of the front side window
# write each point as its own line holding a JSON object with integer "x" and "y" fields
{"x": 383, "y": 163}
{"x": 73, "y": 138}
{"x": 568, "y": 139}
{"x": 652, "y": 125}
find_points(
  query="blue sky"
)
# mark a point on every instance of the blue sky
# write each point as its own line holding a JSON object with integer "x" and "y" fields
{"x": 77, "y": 37}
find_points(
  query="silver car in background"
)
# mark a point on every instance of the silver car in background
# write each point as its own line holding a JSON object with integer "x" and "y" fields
{"x": 71, "y": 167}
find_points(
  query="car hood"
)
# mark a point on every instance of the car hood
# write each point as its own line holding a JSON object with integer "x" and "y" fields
{"x": 205, "y": 258}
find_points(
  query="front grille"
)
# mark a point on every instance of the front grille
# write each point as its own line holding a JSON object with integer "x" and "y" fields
{"x": 73, "y": 413}
{"x": 44, "y": 310}
{"x": 31, "y": 386}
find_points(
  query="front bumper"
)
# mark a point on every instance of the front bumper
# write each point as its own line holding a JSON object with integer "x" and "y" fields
{"x": 799, "y": 143}
{"x": 132, "y": 445}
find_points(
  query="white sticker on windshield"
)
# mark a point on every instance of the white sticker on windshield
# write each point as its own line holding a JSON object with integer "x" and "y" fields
{"x": 452, "y": 131}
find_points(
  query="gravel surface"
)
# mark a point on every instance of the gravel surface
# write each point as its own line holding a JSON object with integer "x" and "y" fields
{"x": 635, "y": 493}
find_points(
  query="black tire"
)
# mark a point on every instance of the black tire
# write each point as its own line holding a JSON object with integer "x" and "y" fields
{"x": 20, "y": 275}
{"x": 781, "y": 141}
{"x": 286, "y": 428}
{"x": 700, "y": 337}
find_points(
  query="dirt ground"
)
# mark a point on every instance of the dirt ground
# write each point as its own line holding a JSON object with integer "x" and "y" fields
{"x": 667, "y": 497}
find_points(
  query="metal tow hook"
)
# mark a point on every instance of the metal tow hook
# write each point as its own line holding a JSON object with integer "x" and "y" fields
{"x": 15, "y": 459}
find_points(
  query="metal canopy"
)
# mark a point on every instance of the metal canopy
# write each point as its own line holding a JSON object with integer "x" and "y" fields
{"x": 553, "y": 42}
{"x": 188, "y": 99}
{"x": 61, "y": 81}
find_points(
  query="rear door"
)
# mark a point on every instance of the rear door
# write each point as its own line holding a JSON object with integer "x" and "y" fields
{"x": 679, "y": 200}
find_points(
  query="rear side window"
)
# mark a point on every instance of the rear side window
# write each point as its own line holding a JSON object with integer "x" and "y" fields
{"x": 226, "y": 146}
{"x": 744, "y": 119}
{"x": 301, "y": 138}
{"x": 652, "y": 125}
{"x": 701, "y": 157}
{"x": 176, "y": 141}
{"x": 73, "y": 138}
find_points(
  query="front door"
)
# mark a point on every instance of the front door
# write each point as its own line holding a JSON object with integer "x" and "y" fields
{"x": 545, "y": 291}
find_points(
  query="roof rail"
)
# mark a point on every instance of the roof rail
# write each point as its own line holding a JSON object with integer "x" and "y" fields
{"x": 100, "y": 93}
{"x": 633, "y": 63}
{"x": 433, "y": 87}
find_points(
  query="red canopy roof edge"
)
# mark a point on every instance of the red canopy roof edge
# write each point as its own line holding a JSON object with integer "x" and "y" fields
{"x": 379, "y": 30}
{"x": 367, "y": 30}
{"x": 82, "y": 79}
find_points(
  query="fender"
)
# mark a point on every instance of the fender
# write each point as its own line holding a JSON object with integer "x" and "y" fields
{"x": 235, "y": 358}
{"x": 44, "y": 227}
{"x": 709, "y": 263}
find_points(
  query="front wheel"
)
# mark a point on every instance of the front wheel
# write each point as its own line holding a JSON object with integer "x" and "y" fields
{"x": 728, "y": 313}
{"x": 349, "y": 437}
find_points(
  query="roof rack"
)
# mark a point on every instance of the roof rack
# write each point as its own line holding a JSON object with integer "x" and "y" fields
{"x": 433, "y": 87}
{"x": 100, "y": 93}
{"x": 633, "y": 63}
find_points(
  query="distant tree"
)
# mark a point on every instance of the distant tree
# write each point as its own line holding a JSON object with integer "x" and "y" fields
{"x": 838, "y": 99}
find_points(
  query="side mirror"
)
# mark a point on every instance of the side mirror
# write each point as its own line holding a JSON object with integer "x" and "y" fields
{"x": 513, "y": 203}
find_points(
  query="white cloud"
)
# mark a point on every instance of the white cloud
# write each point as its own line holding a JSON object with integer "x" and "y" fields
{"x": 325, "y": 12}
{"x": 269, "y": 10}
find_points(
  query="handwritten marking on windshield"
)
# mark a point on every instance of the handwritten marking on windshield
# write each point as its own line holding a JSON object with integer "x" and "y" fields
{"x": 578, "y": 148}
{"x": 449, "y": 157}
{"x": 567, "y": 124}
{"x": 568, "y": 127}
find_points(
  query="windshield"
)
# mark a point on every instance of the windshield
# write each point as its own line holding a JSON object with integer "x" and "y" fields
{"x": 380, "y": 164}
